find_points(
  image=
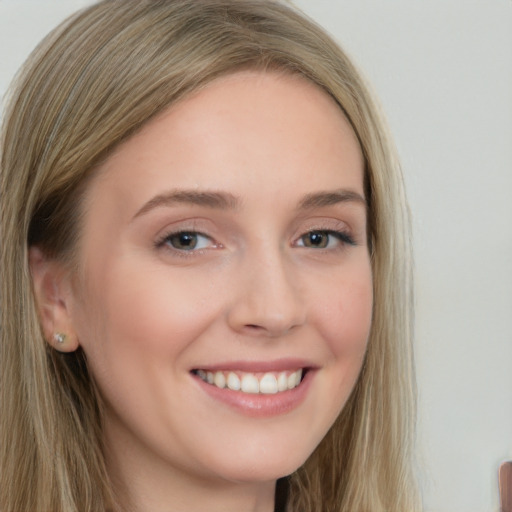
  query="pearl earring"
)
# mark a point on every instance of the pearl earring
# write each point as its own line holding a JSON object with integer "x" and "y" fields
{"x": 59, "y": 338}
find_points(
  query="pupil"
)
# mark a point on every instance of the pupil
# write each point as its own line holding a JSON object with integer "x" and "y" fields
{"x": 317, "y": 239}
{"x": 185, "y": 241}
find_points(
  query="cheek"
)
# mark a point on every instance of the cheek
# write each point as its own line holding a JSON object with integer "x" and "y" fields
{"x": 346, "y": 314}
{"x": 343, "y": 315}
{"x": 341, "y": 312}
{"x": 148, "y": 314}
{"x": 136, "y": 330}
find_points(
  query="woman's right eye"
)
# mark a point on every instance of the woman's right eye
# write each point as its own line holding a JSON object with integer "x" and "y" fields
{"x": 186, "y": 241}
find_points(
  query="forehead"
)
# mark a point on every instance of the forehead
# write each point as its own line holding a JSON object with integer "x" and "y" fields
{"x": 237, "y": 132}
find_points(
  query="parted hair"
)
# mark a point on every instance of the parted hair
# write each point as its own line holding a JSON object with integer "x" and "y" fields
{"x": 92, "y": 83}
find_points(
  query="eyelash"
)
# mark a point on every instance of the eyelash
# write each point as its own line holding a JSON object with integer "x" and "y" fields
{"x": 165, "y": 241}
{"x": 342, "y": 236}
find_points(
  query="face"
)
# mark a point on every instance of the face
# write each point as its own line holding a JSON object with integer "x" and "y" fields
{"x": 224, "y": 247}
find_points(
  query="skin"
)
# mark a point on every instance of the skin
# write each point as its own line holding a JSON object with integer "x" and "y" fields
{"x": 254, "y": 289}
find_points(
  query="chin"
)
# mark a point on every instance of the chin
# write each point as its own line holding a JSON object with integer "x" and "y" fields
{"x": 263, "y": 466}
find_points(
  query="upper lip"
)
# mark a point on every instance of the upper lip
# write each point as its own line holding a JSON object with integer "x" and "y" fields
{"x": 278, "y": 365}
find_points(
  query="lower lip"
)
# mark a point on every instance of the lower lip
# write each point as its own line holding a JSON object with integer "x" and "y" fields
{"x": 260, "y": 405}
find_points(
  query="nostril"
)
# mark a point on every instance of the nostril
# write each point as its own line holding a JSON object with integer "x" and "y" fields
{"x": 253, "y": 328}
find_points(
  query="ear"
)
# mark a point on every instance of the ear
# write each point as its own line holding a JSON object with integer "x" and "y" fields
{"x": 52, "y": 290}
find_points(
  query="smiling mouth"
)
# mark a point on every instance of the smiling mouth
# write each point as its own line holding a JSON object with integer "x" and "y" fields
{"x": 268, "y": 383}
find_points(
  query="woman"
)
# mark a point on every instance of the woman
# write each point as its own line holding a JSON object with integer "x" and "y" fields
{"x": 205, "y": 254}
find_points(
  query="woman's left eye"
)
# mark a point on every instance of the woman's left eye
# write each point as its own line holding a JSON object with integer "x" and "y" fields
{"x": 324, "y": 239}
{"x": 186, "y": 241}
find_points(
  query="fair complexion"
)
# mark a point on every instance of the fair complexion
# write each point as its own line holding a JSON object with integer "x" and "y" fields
{"x": 228, "y": 236}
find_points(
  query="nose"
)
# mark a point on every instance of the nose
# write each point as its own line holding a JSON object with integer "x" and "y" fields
{"x": 268, "y": 301}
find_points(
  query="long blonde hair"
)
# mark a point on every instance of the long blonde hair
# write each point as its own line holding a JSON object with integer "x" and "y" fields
{"x": 92, "y": 83}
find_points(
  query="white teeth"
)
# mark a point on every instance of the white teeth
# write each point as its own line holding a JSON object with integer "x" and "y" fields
{"x": 233, "y": 381}
{"x": 282, "y": 382}
{"x": 294, "y": 379}
{"x": 219, "y": 380}
{"x": 250, "y": 384}
{"x": 268, "y": 384}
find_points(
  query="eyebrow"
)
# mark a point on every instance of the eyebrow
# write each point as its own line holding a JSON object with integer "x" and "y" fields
{"x": 330, "y": 198}
{"x": 227, "y": 201}
{"x": 216, "y": 200}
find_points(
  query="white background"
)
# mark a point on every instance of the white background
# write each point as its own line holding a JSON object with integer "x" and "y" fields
{"x": 443, "y": 71}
